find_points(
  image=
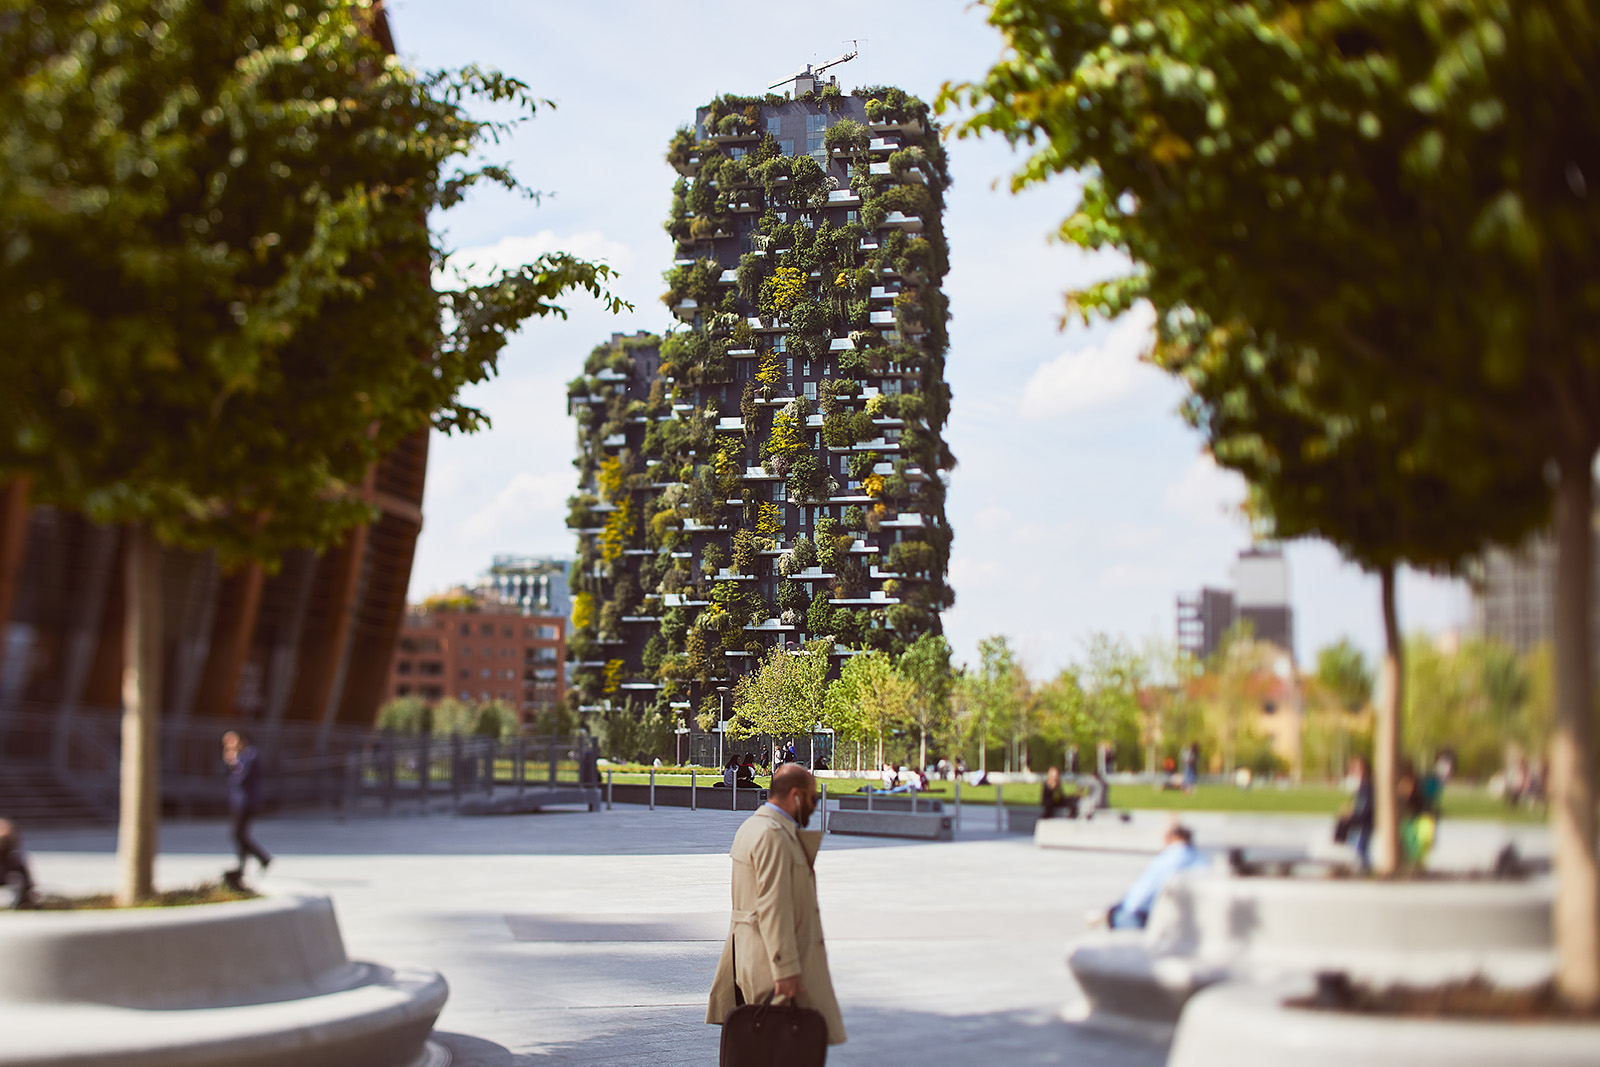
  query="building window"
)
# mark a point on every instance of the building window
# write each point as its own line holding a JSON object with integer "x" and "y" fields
{"x": 816, "y": 123}
{"x": 788, "y": 367}
{"x": 466, "y": 650}
{"x": 401, "y": 690}
{"x": 780, "y": 492}
{"x": 508, "y": 632}
{"x": 736, "y": 153}
{"x": 465, "y": 673}
{"x": 548, "y": 633}
{"x": 814, "y": 147}
{"x": 774, "y": 125}
{"x": 466, "y": 629}
{"x": 811, "y": 390}
{"x": 852, "y": 216}
{"x": 486, "y": 673}
{"x": 786, "y": 147}
{"x": 403, "y": 667}
{"x": 487, "y": 629}
{"x": 432, "y": 668}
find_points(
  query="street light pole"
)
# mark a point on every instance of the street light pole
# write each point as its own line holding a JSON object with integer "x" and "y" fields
{"x": 722, "y": 714}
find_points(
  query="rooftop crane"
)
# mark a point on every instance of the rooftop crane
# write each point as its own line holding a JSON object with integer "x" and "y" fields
{"x": 814, "y": 71}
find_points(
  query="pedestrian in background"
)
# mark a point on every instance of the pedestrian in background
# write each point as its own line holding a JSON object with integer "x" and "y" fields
{"x": 774, "y": 946}
{"x": 14, "y": 865}
{"x": 244, "y": 801}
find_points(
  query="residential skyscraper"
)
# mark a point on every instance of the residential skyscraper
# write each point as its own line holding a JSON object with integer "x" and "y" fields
{"x": 773, "y": 471}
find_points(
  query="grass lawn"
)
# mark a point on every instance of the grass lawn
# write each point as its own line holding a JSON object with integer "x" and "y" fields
{"x": 1459, "y": 802}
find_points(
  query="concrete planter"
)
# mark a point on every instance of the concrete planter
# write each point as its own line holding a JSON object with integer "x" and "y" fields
{"x": 1210, "y": 928}
{"x": 1247, "y": 1025}
{"x": 246, "y": 984}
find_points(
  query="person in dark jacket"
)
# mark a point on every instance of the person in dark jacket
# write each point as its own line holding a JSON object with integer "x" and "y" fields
{"x": 244, "y": 800}
{"x": 14, "y": 865}
{"x": 1052, "y": 799}
{"x": 1356, "y": 823}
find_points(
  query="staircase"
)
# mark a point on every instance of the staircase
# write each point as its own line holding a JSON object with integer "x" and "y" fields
{"x": 33, "y": 797}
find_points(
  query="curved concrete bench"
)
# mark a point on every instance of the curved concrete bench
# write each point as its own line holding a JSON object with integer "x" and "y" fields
{"x": 252, "y": 983}
{"x": 1247, "y": 1025}
{"x": 1209, "y": 928}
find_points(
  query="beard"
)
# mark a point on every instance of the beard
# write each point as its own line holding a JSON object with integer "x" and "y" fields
{"x": 804, "y": 814}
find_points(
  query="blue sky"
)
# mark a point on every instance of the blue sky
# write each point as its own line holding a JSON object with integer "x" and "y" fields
{"x": 1081, "y": 502}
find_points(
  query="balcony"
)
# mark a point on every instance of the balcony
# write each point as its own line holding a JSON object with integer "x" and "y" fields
{"x": 727, "y": 423}
{"x": 910, "y": 520}
{"x": 844, "y": 198}
{"x": 883, "y": 292}
{"x": 901, "y": 221}
{"x": 727, "y": 574}
{"x": 742, "y": 353}
{"x": 759, "y": 474}
{"x": 690, "y": 168}
{"x": 811, "y": 574}
{"x": 881, "y": 318}
{"x": 770, "y": 626}
{"x": 841, "y": 344}
{"x": 883, "y": 144}
{"x": 879, "y": 168}
{"x": 686, "y": 310}
{"x": 911, "y": 126}
{"x": 616, "y": 440}
{"x": 678, "y": 600}
{"x": 876, "y": 599}
{"x": 728, "y": 277}
{"x": 608, "y": 375}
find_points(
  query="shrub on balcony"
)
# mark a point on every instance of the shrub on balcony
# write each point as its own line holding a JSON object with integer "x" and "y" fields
{"x": 792, "y": 596}
{"x": 820, "y": 616}
{"x": 855, "y": 518}
{"x": 744, "y": 552}
{"x": 712, "y": 559}
{"x": 847, "y": 135}
{"x": 805, "y": 552}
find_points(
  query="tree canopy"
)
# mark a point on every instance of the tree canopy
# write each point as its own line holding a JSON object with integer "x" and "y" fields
{"x": 216, "y": 263}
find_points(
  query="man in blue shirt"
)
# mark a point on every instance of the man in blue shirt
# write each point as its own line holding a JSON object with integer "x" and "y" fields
{"x": 1178, "y": 855}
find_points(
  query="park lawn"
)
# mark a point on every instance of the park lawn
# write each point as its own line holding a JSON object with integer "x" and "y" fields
{"x": 1459, "y": 803}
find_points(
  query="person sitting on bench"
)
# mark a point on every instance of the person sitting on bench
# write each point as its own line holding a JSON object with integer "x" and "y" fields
{"x": 1133, "y": 911}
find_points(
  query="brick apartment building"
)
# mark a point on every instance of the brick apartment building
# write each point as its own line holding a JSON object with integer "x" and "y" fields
{"x": 491, "y": 653}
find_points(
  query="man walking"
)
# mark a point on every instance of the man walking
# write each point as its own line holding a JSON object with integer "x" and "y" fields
{"x": 774, "y": 944}
{"x": 244, "y": 800}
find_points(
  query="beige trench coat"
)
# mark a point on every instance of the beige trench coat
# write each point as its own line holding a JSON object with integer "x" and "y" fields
{"x": 776, "y": 930}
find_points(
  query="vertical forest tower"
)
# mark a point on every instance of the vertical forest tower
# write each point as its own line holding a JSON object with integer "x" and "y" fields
{"x": 771, "y": 472}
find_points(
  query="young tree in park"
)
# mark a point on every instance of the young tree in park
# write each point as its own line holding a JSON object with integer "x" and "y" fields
{"x": 215, "y": 272}
{"x": 869, "y": 699}
{"x": 925, "y": 666}
{"x": 1060, "y": 714}
{"x": 996, "y": 697}
{"x": 1387, "y": 205}
{"x": 783, "y": 697}
{"x": 1342, "y": 670}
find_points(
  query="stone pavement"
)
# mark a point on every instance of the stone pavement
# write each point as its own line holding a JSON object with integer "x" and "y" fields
{"x": 590, "y": 938}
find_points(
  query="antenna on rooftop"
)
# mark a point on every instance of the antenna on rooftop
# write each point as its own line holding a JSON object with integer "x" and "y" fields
{"x": 811, "y": 72}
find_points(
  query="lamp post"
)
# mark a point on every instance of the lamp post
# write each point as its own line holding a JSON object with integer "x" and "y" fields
{"x": 722, "y": 713}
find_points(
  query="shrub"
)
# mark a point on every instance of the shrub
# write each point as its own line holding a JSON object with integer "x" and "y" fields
{"x": 855, "y": 518}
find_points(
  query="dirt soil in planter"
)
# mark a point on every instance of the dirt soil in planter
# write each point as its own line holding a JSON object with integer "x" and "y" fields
{"x": 1472, "y": 998}
{"x": 204, "y": 893}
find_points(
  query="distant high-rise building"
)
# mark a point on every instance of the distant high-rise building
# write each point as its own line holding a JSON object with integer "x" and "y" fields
{"x": 1202, "y": 620}
{"x": 535, "y": 585}
{"x": 1260, "y": 596}
{"x": 1513, "y": 593}
{"x": 774, "y": 471}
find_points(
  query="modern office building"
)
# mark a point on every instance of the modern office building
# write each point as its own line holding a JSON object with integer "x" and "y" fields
{"x": 1260, "y": 596}
{"x": 1513, "y": 593}
{"x": 773, "y": 471}
{"x": 535, "y": 585}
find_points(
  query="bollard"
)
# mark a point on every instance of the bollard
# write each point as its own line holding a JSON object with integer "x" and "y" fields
{"x": 691, "y": 789}
{"x": 519, "y": 758}
{"x": 1000, "y": 807}
{"x": 735, "y": 793}
{"x": 913, "y": 800}
{"x": 869, "y": 796}
{"x": 958, "y": 802}
{"x": 608, "y": 789}
{"x": 652, "y": 789}
{"x": 824, "y": 807}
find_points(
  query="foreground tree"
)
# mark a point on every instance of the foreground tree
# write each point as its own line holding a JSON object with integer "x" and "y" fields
{"x": 783, "y": 697}
{"x": 925, "y": 666}
{"x": 215, "y": 273}
{"x": 1386, "y": 204}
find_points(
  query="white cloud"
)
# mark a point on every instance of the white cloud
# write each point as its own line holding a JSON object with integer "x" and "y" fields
{"x": 1206, "y": 495}
{"x": 528, "y": 501}
{"x": 1123, "y": 576}
{"x": 1095, "y": 376}
{"x": 478, "y": 264}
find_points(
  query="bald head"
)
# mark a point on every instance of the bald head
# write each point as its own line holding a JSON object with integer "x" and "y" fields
{"x": 786, "y": 779}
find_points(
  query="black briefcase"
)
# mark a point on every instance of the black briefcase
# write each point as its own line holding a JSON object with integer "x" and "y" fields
{"x": 773, "y": 1035}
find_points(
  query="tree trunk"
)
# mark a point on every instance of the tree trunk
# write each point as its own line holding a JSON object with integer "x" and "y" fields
{"x": 1386, "y": 735}
{"x": 1572, "y": 756}
{"x": 141, "y": 709}
{"x": 922, "y": 751}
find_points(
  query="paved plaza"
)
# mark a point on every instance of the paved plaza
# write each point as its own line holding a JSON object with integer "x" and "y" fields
{"x": 591, "y": 938}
